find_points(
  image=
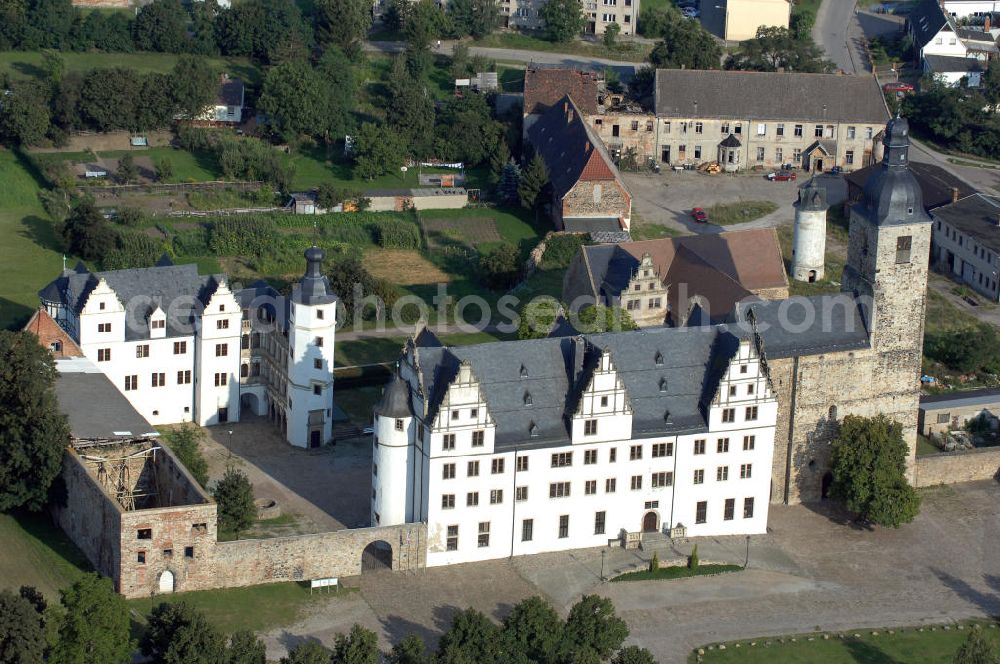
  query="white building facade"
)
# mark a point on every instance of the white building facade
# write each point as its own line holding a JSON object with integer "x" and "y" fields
{"x": 174, "y": 343}
{"x": 558, "y": 444}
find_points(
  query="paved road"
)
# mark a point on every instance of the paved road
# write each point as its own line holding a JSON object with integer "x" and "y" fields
{"x": 625, "y": 69}
{"x": 837, "y": 31}
{"x": 813, "y": 570}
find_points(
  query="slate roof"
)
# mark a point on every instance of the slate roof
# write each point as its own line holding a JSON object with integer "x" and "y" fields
{"x": 591, "y": 224}
{"x": 94, "y": 406}
{"x": 691, "y": 93}
{"x": 976, "y": 216}
{"x": 570, "y": 148}
{"x": 951, "y": 63}
{"x": 558, "y": 369}
{"x": 176, "y": 288}
{"x": 926, "y": 20}
{"x": 984, "y": 397}
{"x": 395, "y": 401}
{"x": 971, "y": 34}
{"x": 936, "y": 183}
{"x": 544, "y": 87}
{"x": 721, "y": 268}
{"x": 808, "y": 325}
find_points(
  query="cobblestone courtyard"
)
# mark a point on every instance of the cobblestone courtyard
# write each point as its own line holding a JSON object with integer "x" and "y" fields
{"x": 812, "y": 570}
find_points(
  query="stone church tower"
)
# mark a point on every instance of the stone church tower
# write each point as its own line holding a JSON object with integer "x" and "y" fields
{"x": 885, "y": 281}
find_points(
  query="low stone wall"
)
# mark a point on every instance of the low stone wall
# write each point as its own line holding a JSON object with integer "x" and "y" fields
{"x": 954, "y": 467}
{"x": 319, "y": 556}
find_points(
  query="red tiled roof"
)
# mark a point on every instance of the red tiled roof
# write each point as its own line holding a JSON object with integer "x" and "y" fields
{"x": 51, "y": 336}
{"x": 545, "y": 87}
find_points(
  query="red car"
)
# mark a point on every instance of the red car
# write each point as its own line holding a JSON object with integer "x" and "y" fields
{"x": 897, "y": 86}
{"x": 783, "y": 176}
{"x": 698, "y": 214}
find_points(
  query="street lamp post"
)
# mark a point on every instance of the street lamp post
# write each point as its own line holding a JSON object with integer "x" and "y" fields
{"x": 230, "y": 450}
{"x": 604, "y": 554}
{"x": 747, "y": 563}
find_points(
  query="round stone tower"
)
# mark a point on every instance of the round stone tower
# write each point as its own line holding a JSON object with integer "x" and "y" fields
{"x": 809, "y": 243}
{"x": 393, "y": 458}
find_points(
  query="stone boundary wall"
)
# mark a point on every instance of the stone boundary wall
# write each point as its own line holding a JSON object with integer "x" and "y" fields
{"x": 317, "y": 556}
{"x": 954, "y": 467}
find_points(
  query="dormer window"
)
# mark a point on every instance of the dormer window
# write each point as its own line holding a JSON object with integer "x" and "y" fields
{"x": 527, "y": 399}
{"x": 524, "y": 371}
{"x": 658, "y": 360}
{"x": 663, "y": 385}
{"x": 533, "y": 430}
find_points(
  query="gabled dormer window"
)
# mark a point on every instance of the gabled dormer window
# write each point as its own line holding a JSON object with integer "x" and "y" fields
{"x": 663, "y": 385}
{"x": 658, "y": 359}
{"x": 524, "y": 371}
{"x": 533, "y": 430}
{"x": 527, "y": 399}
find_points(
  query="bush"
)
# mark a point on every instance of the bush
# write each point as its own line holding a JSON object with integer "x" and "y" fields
{"x": 234, "y": 495}
{"x": 394, "y": 234}
{"x": 654, "y": 563}
{"x": 500, "y": 267}
{"x": 966, "y": 349}
{"x": 693, "y": 558}
{"x": 184, "y": 443}
{"x": 130, "y": 216}
{"x": 243, "y": 235}
{"x": 560, "y": 250}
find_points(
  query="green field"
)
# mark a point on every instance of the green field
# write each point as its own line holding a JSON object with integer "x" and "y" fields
{"x": 933, "y": 645}
{"x": 21, "y": 63}
{"x": 34, "y": 552}
{"x": 29, "y": 252}
{"x": 624, "y": 51}
{"x": 676, "y": 572}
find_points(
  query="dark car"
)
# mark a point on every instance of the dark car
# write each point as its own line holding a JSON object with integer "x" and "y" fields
{"x": 783, "y": 176}
{"x": 699, "y": 215}
{"x": 897, "y": 86}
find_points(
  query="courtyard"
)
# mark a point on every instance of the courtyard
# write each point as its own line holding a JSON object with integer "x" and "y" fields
{"x": 813, "y": 570}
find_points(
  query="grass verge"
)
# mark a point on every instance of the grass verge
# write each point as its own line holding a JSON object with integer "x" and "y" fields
{"x": 739, "y": 212}
{"x": 676, "y": 572}
{"x": 624, "y": 51}
{"x": 925, "y": 645}
{"x": 35, "y": 552}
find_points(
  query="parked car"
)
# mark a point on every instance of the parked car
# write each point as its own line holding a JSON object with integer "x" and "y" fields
{"x": 690, "y": 12}
{"x": 836, "y": 170}
{"x": 897, "y": 86}
{"x": 699, "y": 215}
{"x": 783, "y": 176}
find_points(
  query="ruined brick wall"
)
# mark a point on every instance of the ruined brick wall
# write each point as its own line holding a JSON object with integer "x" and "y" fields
{"x": 90, "y": 517}
{"x": 954, "y": 467}
{"x": 304, "y": 557}
{"x": 634, "y": 130}
{"x": 600, "y": 198}
{"x": 182, "y": 542}
{"x": 771, "y": 293}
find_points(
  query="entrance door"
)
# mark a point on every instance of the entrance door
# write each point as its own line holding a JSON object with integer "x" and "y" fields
{"x": 167, "y": 582}
{"x": 314, "y": 438}
{"x": 665, "y": 154}
{"x": 818, "y": 167}
{"x": 812, "y": 276}
{"x": 649, "y": 522}
{"x": 223, "y": 415}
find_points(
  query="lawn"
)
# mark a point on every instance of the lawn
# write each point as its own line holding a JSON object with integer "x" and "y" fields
{"x": 932, "y": 645}
{"x": 35, "y": 552}
{"x": 676, "y": 572}
{"x": 28, "y": 63}
{"x": 30, "y": 255}
{"x": 925, "y": 447}
{"x": 833, "y": 271}
{"x": 725, "y": 214}
{"x": 256, "y": 608}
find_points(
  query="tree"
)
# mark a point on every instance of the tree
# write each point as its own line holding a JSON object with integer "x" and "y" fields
{"x": 245, "y": 648}
{"x": 686, "y": 44}
{"x": 965, "y": 349}
{"x": 411, "y": 650}
{"x": 693, "y": 560}
{"x": 599, "y": 318}
{"x": 500, "y": 267}
{"x": 775, "y": 48}
{"x": 510, "y": 179}
{"x": 425, "y": 22}
{"x": 360, "y": 646}
{"x": 22, "y": 639}
{"x": 26, "y": 117}
{"x": 193, "y": 86}
{"x": 534, "y": 627}
{"x": 534, "y": 178}
{"x": 868, "y": 464}
{"x": 127, "y": 170}
{"x": 261, "y": 29}
{"x": 343, "y": 23}
{"x": 164, "y": 167}
{"x": 234, "y": 495}
{"x": 294, "y": 96}
{"x": 976, "y": 649}
{"x": 309, "y": 652}
{"x": 466, "y": 130}
{"x": 33, "y": 431}
{"x": 87, "y": 233}
{"x": 654, "y": 23}
{"x": 377, "y": 151}
{"x": 611, "y": 32}
{"x": 477, "y": 18}
{"x": 538, "y": 317}
{"x": 185, "y": 442}
{"x": 593, "y": 626}
{"x": 563, "y": 19}
{"x": 161, "y": 26}
{"x": 471, "y": 638}
{"x": 340, "y": 80}
{"x": 633, "y": 655}
{"x": 180, "y": 634}
{"x": 53, "y": 65}
{"x": 642, "y": 86}
{"x": 991, "y": 85}
{"x": 96, "y": 625}
{"x": 109, "y": 97}
{"x": 35, "y": 597}
{"x": 410, "y": 110}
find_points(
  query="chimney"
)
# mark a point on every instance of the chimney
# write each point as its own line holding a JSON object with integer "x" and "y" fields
{"x": 954, "y": 194}
{"x": 569, "y": 116}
